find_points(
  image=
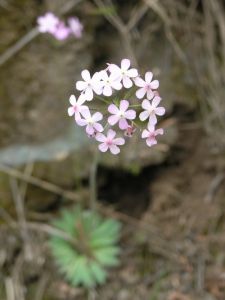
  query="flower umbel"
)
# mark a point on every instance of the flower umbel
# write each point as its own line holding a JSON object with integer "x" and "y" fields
{"x": 103, "y": 103}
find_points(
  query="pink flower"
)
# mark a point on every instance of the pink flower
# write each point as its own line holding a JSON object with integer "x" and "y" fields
{"x": 89, "y": 84}
{"x": 62, "y": 32}
{"x": 129, "y": 131}
{"x": 76, "y": 27}
{"x": 109, "y": 83}
{"x": 47, "y": 23}
{"x": 151, "y": 110}
{"x": 91, "y": 122}
{"x": 123, "y": 73}
{"x": 77, "y": 106}
{"x": 121, "y": 114}
{"x": 150, "y": 135}
{"x": 109, "y": 142}
{"x": 146, "y": 86}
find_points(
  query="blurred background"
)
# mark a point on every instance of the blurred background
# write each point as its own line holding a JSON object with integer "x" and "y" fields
{"x": 170, "y": 198}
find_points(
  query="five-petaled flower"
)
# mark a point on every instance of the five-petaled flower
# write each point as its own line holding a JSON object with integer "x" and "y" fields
{"x": 76, "y": 106}
{"x": 151, "y": 110}
{"x": 109, "y": 142}
{"x": 90, "y": 84}
{"x": 121, "y": 114}
{"x": 123, "y": 73}
{"x": 109, "y": 82}
{"x": 91, "y": 122}
{"x": 150, "y": 135}
{"x": 48, "y": 23}
{"x": 146, "y": 86}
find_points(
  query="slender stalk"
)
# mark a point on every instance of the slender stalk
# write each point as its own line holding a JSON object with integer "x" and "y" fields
{"x": 93, "y": 181}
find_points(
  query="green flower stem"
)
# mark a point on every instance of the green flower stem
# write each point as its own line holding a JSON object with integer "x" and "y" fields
{"x": 93, "y": 181}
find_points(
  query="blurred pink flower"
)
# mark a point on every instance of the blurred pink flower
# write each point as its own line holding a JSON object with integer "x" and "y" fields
{"x": 76, "y": 106}
{"x": 89, "y": 84}
{"x": 146, "y": 86}
{"x": 150, "y": 135}
{"x": 123, "y": 73}
{"x": 121, "y": 114}
{"x": 48, "y": 23}
{"x": 76, "y": 27}
{"x": 109, "y": 83}
{"x": 91, "y": 122}
{"x": 62, "y": 32}
{"x": 151, "y": 110}
{"x": 109, "y": 142}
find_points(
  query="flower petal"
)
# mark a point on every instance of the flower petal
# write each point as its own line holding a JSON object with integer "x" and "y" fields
{"x": 151, "y": 141}
{"x": 111, "y": 134}
{"x": 119, "y": 141}
{"x": 97, "y": 116}
{"x": 116, "y": 85}
{"x": 154, "y": 84}
{"x": 112, "y": 120}
{"x": 151, "y": 128}
{"x": 81, "y": 85}
{"x": 150, "y": 94}
{"x": 114, "y": 70}
{"x": 152, "y": 119}
{"x": 103, "y": 147}
{"x": 72, "y": 100}
{"x": 132, "y": 73}
{"x": 139, "y": 82}
{"x": 107, "y": 91}
{"x": 81, "y": 99}
{"x": 81, "y": 122}
{"x": 98, "y": 127}
{"x": 90, "y": 129}
{"x": 89, "y": 93}
{"x": 70, "y": 111}
{"x": 100, "y": 137}
{"x": 156, "y": 101}
{"x": 127, "y": 82}
{"x": 146, "y": 104}
{"x": 130, "y": 114}
{"x": 125, "y": 64}
{"x": 148, "y": 77}
{"x": 140, "y": 93}
{"x": 144, "y": 115}
{"x": 85, "y": 74}
{"x": 124, "y": 104}
{"x": 113, "y": 109}
{"x": 123, "y": 124}
{"x": 159, "y": 131}
{"x": 145, "y": 133}
{"x": 86, "y": 113}
{"x": 160, "y": 111}
{"x": 114, "y": 149}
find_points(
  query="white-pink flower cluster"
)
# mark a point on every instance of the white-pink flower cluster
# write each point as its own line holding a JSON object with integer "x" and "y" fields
{"x": 49, "y": 23}
{"x": 117, "y": 99}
